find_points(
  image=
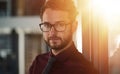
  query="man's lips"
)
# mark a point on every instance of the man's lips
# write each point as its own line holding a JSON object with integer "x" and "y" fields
{"x": 54, "y": 38}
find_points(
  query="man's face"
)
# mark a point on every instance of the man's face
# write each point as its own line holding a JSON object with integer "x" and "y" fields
{"x": 57, "y": 40}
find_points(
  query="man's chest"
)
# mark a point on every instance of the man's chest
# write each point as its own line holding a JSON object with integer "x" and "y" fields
{"x": 66, "y": 68}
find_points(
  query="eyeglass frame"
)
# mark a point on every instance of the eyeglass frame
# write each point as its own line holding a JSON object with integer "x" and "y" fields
{"x": 53, "y": 25}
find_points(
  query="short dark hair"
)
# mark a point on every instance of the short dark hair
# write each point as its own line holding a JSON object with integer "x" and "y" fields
{"x": 65, "y": 5}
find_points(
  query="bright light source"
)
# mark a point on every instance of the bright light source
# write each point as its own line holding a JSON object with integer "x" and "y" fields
{"x": 118, "y": 41}
{"x": 79, "y": 37}
{"x": 109, "y": 10}
{"x": 79, "y": 31}
{"x": 106, "y": 5}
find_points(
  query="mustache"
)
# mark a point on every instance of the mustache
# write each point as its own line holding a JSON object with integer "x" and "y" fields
{"x": 54, "y": 38}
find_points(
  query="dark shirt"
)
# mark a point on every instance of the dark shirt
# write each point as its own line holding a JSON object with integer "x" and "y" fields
{"x": 69, "y": 61}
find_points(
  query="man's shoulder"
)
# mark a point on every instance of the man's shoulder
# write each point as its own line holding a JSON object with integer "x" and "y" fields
{"x": 80, "y": 59}
{"x": 78, "y": 55}
{"x": 39, "y": 63}
{"x": 83, "y": 65}
{"x": 43, "y": 56}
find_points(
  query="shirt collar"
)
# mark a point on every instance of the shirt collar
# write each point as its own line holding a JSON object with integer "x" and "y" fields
{"x": 66, "y": 53}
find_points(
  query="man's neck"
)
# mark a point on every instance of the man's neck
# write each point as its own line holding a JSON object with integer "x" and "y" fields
{"x": 56, "y": 52}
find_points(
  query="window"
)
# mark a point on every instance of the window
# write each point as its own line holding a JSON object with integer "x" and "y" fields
{"x": 5, "y": 7}
{"x": 8, "y": 52}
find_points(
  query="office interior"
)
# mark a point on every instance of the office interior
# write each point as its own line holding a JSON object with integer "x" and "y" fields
{"x": 97, "y": 36}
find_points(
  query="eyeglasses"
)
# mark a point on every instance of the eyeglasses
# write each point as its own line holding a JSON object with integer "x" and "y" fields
{"x": 46, "y": 27}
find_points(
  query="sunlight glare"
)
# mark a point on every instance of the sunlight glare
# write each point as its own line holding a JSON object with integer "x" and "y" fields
{"x": 79, "y": 37}
{"x": 79, "y": 30}
{"x": 109, "y": 9}
{"x": 118, "y": 41}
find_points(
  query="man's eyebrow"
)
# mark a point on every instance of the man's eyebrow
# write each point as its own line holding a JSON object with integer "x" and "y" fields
{"x": 45, "y": 22}
{"x": 59, "y": 21}
{"x": 55, "y": 22}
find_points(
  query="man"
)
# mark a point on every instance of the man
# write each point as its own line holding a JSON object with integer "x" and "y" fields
{"x": 58, "y": 25}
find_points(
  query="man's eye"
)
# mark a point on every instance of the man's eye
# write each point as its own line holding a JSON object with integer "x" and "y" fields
{"x": 61, "y": 24}
{"x": 46, "y": 25}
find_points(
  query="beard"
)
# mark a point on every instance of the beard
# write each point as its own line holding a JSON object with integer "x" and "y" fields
{"x": 58, "y": 43}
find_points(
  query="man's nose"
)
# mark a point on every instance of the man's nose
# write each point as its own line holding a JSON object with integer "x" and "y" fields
{"x": 52, "y": 31}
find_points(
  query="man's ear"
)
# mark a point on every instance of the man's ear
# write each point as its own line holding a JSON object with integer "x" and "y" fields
{"x": 74, "y": 26}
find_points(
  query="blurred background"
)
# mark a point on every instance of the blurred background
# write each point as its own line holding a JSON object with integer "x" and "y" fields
{"x": 97, "y": 36}
{"x": 20, "y": 37}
